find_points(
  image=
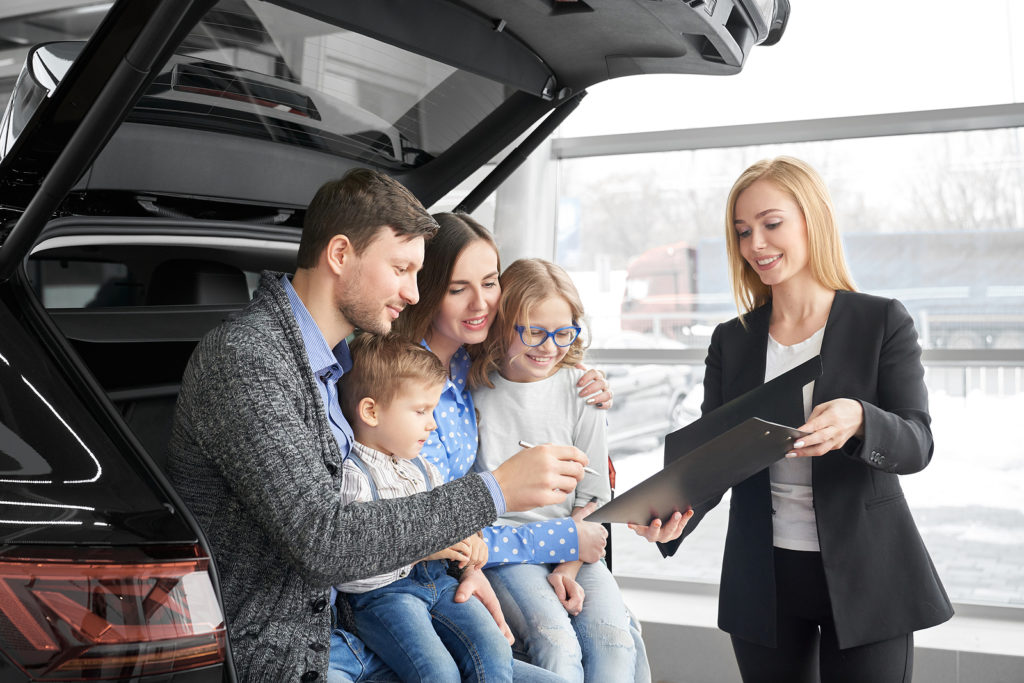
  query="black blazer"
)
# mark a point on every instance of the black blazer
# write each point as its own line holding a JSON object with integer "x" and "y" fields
{"x": 881, "y": 581}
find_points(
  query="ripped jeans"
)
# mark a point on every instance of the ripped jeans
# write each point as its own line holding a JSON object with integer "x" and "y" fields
{"x": 596, "y": 644}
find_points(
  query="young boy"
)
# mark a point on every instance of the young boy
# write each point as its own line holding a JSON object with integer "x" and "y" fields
{"x": 408, "y": 616}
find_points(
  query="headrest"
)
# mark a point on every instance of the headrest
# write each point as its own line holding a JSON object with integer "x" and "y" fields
{"x": 187, "y": 281}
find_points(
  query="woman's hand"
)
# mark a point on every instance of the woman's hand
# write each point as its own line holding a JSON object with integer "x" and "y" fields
{"x": 657, "y": 532}
{"x": 595, "y": 387}
{"x": 569, "y": 593}
{"x": 592, "y": 537}
{"x": 474, "y": 582}
{"x": 831, "y": 425}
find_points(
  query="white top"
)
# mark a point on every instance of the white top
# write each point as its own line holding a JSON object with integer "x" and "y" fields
{"x": 545, "y": 411}
{"x": 793, "y": 518}
{"x": 395, "y": 478}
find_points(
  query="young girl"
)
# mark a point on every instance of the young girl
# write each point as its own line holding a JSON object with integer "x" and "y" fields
{"x": 569, "y": 614}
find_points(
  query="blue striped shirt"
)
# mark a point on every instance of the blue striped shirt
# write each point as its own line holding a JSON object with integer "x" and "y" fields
{"x": 327, "y": 365}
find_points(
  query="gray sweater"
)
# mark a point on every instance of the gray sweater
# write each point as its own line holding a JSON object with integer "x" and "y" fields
{"x": 253, "y": 457}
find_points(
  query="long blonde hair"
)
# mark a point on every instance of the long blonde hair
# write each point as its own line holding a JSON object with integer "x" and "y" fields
{"x": 825, "y": 250}
{"x": 524, "y": 284}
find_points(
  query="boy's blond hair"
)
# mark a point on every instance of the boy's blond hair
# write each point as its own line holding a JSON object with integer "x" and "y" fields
{"x": 381, "y": 367}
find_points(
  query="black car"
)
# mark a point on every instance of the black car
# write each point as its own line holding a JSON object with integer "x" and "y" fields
{"x": 149, "y": 174}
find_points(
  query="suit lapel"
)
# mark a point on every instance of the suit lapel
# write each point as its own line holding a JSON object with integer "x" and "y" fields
{"x": 831, "y": 343}
{"x": 750, "y": 373}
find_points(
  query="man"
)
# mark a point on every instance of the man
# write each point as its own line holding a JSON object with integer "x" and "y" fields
{"x": 259, "y": 439}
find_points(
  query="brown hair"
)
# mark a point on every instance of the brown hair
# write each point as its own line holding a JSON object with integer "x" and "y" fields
{"x": 825, "y": 250}
{"x": 357, "y": 205}
{"x": 455, "y": 232}
{"x": 381, "y": 366}
{"x": 524, "y": 284}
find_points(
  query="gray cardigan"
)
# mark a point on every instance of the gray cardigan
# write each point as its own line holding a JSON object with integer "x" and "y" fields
{"x": 253, "y": 457}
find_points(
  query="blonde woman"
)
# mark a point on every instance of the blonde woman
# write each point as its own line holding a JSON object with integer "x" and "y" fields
{"x": 822, "y": 557}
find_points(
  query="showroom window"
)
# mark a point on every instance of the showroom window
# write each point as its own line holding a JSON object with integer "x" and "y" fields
{"x": 936, "y": 220}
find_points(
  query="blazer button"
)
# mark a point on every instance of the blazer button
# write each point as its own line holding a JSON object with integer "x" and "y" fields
{"x": 332, "y": 468}
{"x": 317, "y": 647}
{"x": 319, "y": 605}
{"x": 309, "y": 676}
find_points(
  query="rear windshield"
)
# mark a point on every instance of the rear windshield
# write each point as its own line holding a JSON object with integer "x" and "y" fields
{"x": 255, "y": 69}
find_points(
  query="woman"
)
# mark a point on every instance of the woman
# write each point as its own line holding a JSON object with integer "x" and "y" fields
{"x": 822, "y": 556}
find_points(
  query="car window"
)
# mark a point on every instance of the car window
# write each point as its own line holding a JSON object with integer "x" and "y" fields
{"x": 64, "y": 283}
{"x": 257, "y": 70}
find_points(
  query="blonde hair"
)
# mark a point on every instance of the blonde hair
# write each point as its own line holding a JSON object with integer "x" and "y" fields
{"x": 825, "y": 250}
{"x": 524, "y": 284}
{"x": 382, "y": 366}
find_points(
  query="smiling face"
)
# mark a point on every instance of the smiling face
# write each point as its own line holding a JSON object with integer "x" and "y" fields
{"x": 467, "y": 309}
{"x": 524, "y": 363}
{"x": 772, "y": 233}
{"x": 382, "y": 281}
{"x": 404, "y": 424}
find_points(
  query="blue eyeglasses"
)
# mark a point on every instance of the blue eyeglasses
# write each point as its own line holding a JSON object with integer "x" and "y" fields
{"x": 535, "y": 336}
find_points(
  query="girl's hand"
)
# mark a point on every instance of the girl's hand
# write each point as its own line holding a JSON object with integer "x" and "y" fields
{"x": 657, "y": 532}
{"x": 569, "y": 593}
{"x": 595, "y": 387}
{"x": 592, "y": 537}
{"x": 831, "y": 424}
{"x": 474, "y": 582}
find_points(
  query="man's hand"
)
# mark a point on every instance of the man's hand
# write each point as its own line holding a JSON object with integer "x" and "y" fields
{"x": 541, "y": 475}
{"x": 570, "y": 593}
{"x": 657, "y": 532}
{"x": 474, "y": 582}
{"x": 592, "y": 537}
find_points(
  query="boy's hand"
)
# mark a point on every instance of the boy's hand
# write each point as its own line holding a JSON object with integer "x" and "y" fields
{"x": 570, "y": 593}
{"x": 477, "y": 552}
{"x": 460, "y": 552}
{"x": 474, "y": 582}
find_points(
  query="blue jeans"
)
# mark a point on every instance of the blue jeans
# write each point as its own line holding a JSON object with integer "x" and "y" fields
{"x": 598, "y": 643}
{"x": 417, "y": 628}
{"x": 351, "y": 662}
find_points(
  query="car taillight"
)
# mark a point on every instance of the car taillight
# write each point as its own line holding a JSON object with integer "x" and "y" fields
{"x": 72, "y": 619}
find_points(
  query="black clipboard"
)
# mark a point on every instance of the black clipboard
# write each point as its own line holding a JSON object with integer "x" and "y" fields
{"x": 718, "y": 451}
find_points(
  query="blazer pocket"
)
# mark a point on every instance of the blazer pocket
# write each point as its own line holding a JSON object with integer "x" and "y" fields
{"x": 883, "y": 500}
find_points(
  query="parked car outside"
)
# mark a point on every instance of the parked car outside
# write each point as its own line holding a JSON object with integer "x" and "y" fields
{"x": 649, "y": 398}
{"x": 148, "y": 175}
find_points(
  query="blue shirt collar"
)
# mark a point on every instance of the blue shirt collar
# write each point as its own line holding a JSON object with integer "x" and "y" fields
{"x": 457, "y": 384}
{"x": 322, "y": 359}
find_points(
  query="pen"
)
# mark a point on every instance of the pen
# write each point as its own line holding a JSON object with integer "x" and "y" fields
{"x": 589, "y": 470}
